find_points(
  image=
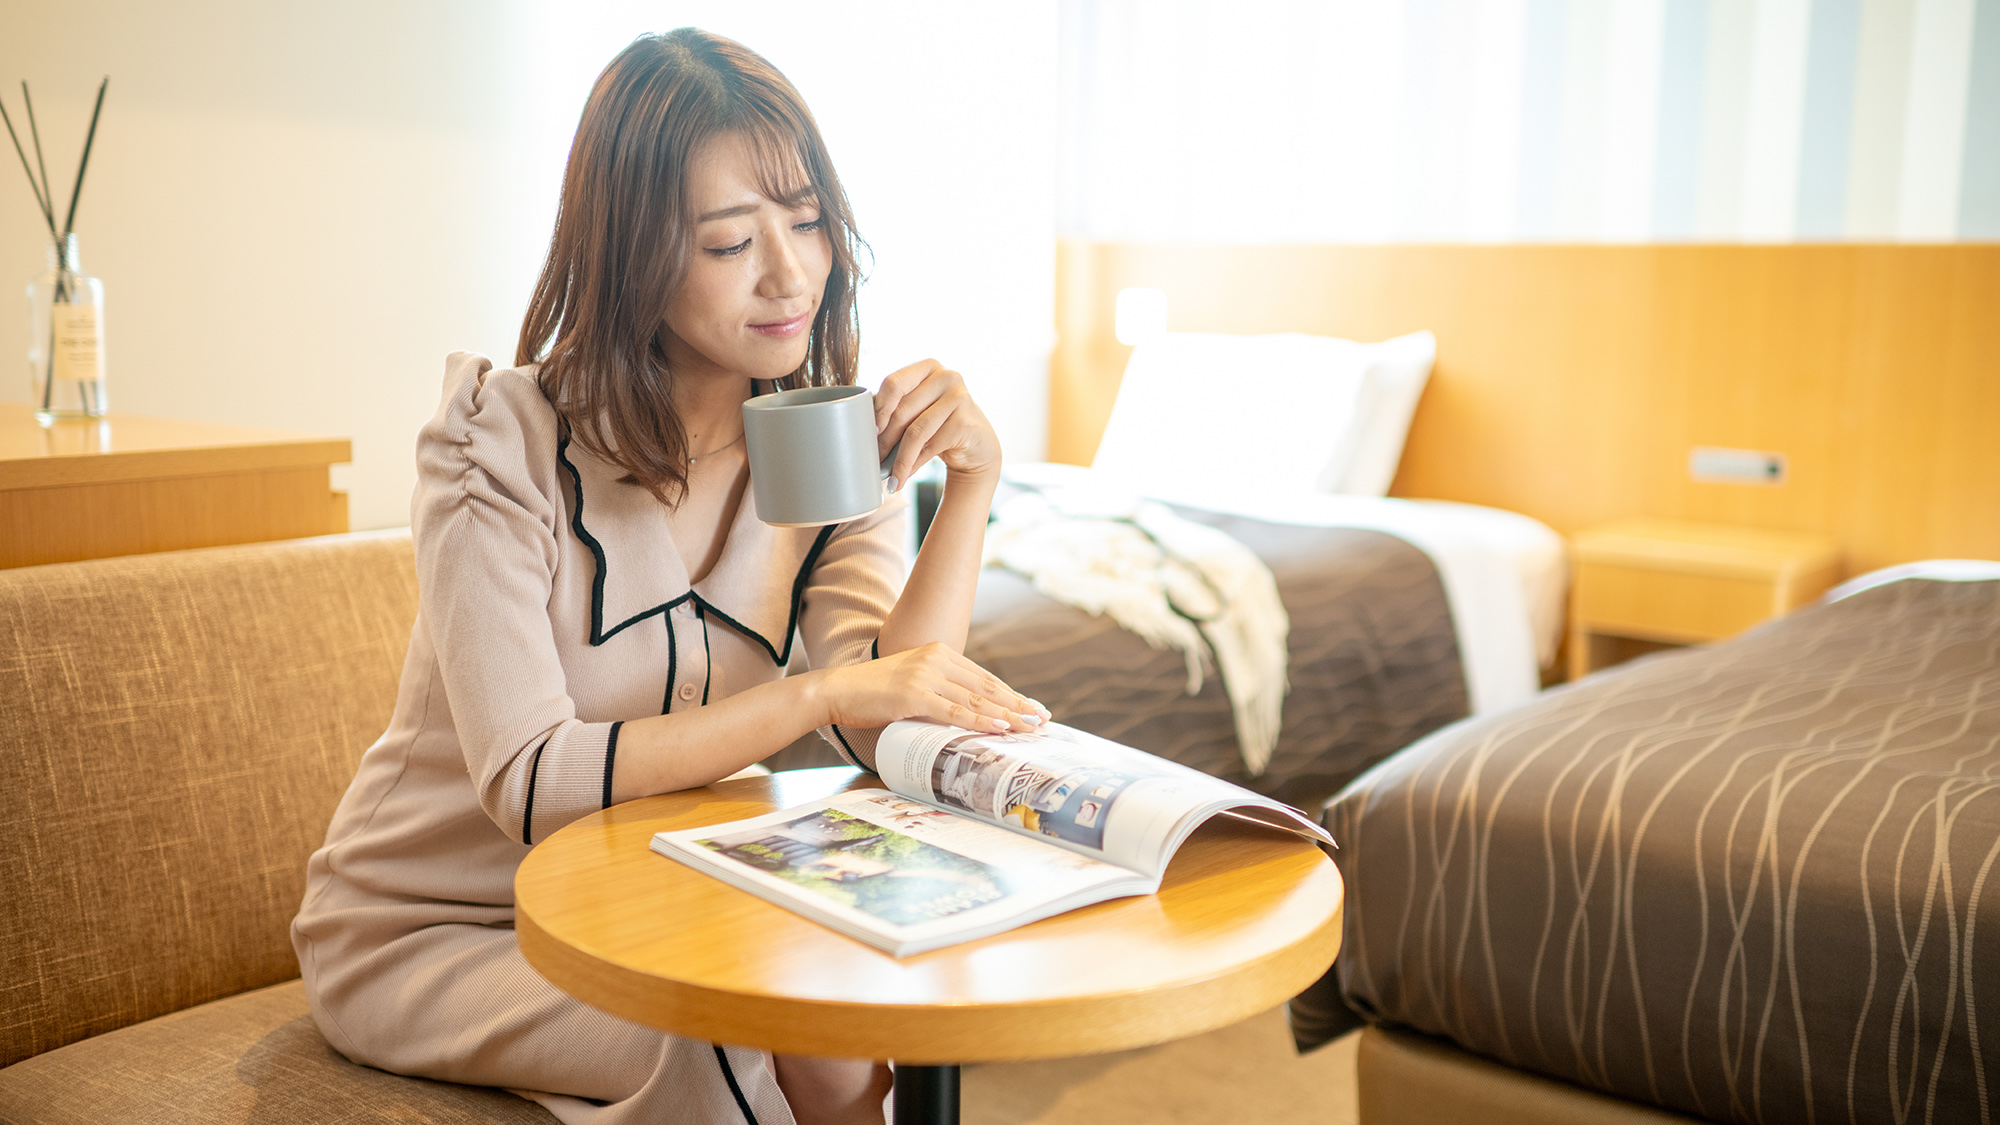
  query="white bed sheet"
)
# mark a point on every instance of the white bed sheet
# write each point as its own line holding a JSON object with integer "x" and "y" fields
{"x": 1936, "y": 570}
{"x": 1505, "y": 575}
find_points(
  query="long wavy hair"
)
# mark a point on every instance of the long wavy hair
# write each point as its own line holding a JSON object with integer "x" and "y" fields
{"x": 624, "y": 235}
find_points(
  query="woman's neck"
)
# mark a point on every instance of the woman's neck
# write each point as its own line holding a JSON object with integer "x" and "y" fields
{"x": 711, "y": 410}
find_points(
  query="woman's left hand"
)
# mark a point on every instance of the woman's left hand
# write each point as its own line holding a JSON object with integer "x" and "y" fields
{"x": 929, "y": 410}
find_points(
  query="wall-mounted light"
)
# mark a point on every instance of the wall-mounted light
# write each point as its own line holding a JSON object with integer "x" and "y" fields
{"x": 1710, "y": 465}
{"x": 1142, "y": 315}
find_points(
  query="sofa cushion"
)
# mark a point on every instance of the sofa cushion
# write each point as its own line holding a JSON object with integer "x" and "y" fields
{"x": 252, "y": 1058}
{"x": 177, "y": 730}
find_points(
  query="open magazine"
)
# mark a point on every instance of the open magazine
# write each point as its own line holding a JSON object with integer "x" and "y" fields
{"x": 976, "y": 833}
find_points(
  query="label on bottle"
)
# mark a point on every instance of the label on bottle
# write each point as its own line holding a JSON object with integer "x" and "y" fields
{"x": 79, "y": 342}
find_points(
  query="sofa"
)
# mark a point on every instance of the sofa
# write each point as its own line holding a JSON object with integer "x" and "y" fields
{"x": 175, "y": 731}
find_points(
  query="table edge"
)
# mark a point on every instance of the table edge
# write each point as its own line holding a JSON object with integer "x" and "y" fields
{"x": 952, "y": 1034}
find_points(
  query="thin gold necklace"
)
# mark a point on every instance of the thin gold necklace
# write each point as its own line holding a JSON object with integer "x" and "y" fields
{"x": 716, "y": 450}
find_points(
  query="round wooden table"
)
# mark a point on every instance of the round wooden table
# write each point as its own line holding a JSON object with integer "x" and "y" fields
{"x": 1247, "y": 918}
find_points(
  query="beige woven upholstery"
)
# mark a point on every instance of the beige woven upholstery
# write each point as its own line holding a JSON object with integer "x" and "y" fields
{"x": 177, "y": 729}
{"x": 250, "y": 1058}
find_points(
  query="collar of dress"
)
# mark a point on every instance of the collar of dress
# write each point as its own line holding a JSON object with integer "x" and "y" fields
{"x": 755, "y": 587}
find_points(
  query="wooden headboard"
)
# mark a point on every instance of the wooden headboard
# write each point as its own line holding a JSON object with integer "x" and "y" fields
{"x": 1572, "y": 381}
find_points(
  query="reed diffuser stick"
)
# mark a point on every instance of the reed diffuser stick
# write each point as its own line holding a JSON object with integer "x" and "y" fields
{"x": 76, "y": 193}
{"x": 48, "y": 212}
{"x": 36, "y": 133}
{"x": 83, "y": 165}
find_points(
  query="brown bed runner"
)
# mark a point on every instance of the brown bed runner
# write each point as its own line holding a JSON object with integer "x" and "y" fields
{"x": 1373, "y": 661}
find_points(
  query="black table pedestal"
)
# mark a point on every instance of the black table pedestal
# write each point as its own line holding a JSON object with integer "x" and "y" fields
{"x": 926, "y": 1095}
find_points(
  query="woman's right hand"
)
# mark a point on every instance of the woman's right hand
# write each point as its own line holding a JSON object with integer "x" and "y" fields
{"x": 928, "y": 682}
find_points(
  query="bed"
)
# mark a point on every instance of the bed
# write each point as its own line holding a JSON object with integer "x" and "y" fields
{"x": 1747, "y": 883}
{"x": 1403, "y": 615}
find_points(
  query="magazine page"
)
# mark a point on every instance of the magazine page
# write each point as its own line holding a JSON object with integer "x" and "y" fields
{"x": 900, "y": 875}
{"x": 1087, "y": 793}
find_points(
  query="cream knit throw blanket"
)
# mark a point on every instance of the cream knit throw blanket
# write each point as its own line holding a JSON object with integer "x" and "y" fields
{"x": 1174, "y": 583}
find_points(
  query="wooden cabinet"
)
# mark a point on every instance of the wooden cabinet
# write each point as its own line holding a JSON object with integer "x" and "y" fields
{"x": 1683, "y": 583}
{"x": 122, "y": 486}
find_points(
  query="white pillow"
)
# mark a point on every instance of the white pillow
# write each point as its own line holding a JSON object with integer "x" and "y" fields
{"x": 1200, "y": 412}
{"x": 1396, "y": 373}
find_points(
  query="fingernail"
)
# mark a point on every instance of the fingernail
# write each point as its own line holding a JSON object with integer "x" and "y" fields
{"x": 1037, "y": 705}
{"x": 894, "y": 484}
{"x": 1031, "y": 720}
{"x": 997, "y": 724}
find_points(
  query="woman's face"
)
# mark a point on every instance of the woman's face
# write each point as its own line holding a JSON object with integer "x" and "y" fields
{"x": 755, "y": 277}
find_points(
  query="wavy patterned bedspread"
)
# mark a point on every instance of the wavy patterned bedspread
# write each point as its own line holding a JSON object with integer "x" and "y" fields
{"x": 1752, "y": 883}
{"x": 1373, "y": 661}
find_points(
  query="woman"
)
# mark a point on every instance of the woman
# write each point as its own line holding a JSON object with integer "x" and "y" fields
{"x": 602, "y": 615}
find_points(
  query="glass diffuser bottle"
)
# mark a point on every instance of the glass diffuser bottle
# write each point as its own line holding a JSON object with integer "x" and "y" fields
{"x": 66, "y": 339}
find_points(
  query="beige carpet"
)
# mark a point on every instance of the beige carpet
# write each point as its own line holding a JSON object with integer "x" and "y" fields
{"x": 1243, "y": 1073}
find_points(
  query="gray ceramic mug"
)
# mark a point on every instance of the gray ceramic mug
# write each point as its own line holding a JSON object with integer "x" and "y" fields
{"x": 812, "y": 455}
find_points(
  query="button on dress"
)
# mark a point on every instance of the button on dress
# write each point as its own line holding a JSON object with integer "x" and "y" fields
{"x": 553, "y": 607}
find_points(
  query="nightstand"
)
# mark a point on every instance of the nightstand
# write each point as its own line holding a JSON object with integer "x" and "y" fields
{"x": 1684, "y": 583}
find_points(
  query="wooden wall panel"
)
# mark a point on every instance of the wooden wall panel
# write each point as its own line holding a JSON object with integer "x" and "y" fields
{"x": 1573, "y": 380}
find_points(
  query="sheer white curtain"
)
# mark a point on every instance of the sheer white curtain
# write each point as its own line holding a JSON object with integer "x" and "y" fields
{"x": 1574, "y": 120}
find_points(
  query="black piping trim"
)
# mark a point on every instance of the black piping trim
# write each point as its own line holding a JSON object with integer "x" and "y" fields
{"x": 610, "y": 756}
{"x": 599, "y": 634}
{"x": 528, "y": 806}
{"x": 673, "y": 665}
{"x": 583, "y": 534}
{"x": 798, "y": 594}
{"x": 729, "y": 1075}
{"x": 707, "y": 656}
{"x": 846, "y": 751}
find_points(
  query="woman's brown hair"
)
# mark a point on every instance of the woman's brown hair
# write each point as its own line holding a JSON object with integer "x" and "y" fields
{"x": 622, "y": 241}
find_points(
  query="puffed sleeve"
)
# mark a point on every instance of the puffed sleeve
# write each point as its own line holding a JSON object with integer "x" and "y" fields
{"x": 486, "y": 524}
{"x": 851, "y": 589}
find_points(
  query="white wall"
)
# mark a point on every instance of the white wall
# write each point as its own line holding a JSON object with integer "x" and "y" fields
{"x": 299, "y": 209}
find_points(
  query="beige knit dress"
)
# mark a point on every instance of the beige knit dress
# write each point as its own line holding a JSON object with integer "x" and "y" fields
{"x": 553, "y": 606}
